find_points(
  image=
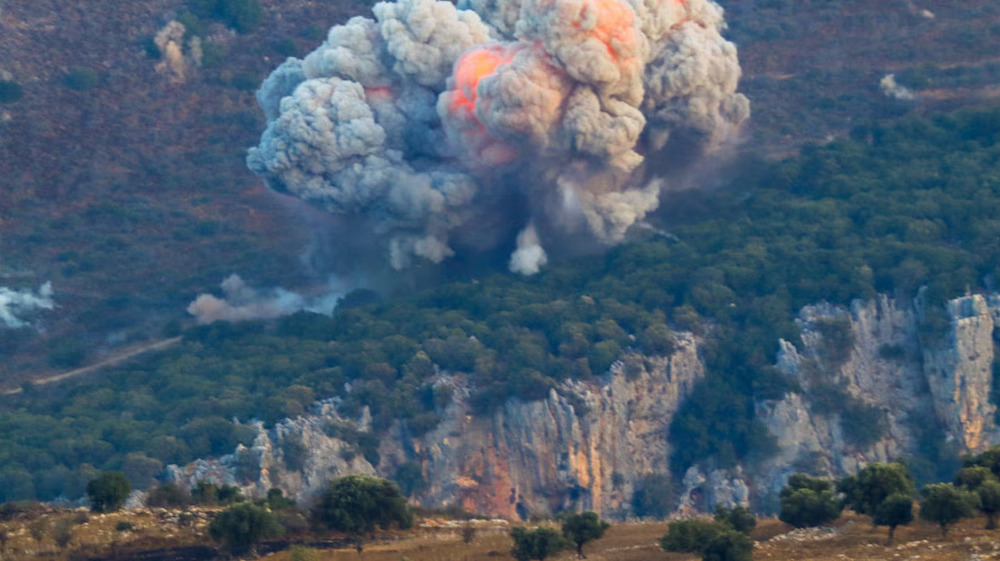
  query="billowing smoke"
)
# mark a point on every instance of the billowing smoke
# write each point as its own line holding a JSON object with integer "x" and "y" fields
{"x": 891, "y": 88}
{"x": 525, "y": 125}
{"x": 240, "y": 302}
{"x": 15, "y": 304}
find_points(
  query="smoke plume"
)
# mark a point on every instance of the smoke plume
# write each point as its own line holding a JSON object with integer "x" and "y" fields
{"x": 14, "y": 304}
{"x": 241, "y": 302}
{"x": 531, "y": 125}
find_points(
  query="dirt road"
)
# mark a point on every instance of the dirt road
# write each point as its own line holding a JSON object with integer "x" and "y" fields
{"x": 113, "y": 360}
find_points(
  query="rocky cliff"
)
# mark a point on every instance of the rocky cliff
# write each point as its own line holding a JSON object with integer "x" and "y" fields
{"x": 873, "y": 383}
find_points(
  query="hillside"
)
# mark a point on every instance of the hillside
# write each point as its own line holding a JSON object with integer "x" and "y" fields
{"x": 128, "y": 190}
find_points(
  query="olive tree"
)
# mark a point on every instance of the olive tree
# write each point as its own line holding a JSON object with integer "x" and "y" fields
{"x": 945, "y": 504}
{"x": 582, "y": 528}
{"x": 895, "y": 510}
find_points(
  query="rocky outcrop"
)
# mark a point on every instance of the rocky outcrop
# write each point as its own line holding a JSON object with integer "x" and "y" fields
{"x": 873, "y": 384}
{"x": 923, "y": 384}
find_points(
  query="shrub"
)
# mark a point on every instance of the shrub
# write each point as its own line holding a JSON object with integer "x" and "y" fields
{"x": 357, "y": 504}
{"x": 690, "y": 536}
{"x": 738, "y": 518}
{"x": 108, "y": 492}
{"x": 729, "y": 545}
{"x": 240, "y": 527}
{"x": 536, "y": 544}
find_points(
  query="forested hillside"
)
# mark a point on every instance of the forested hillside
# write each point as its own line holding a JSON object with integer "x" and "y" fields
{"x": 127, "y": 189}
{"x": 890, "y": 209}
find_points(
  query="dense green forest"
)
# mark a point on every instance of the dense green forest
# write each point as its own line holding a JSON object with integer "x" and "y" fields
{"x": 890, "y": 209}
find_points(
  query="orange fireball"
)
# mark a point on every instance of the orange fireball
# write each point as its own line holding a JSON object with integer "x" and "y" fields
{"x": 472, "y": 67}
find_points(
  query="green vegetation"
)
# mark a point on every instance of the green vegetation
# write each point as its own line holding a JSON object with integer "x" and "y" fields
{"x": 580, "y": 528}
{"x": 808, "y": 501}
{"x": 944, "y": 504}
{"x": 895, "y": 510}
{"x": 10, "y": 91}
{"x": 241, "y": 526}
{"x": 538, "y": 544}
{"x": 727, "y": 538}
{"x": 82, "y": 79}
{"x": 358, "y": 504}
{"x": 890, "y": 209}
{"x": 242, "y": 15}
{"x": 865, "y": 491}
{"x": 107, "y": 493}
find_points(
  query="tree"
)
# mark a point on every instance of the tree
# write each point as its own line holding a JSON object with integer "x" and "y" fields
{"x": 243, "y": 525}
{"x": 536, "y": 544}
{"x": 808, "y": 501}
{"x": 729, "y": 545}
{"x": 972, "y": 477}
{"x": 738, "y": 518}
{"x": 945, "y": 504}
{"x": 896, "y": 509}
{"x": 865, "y": 491}
{"x": 989, "y": 502}
{"x": 107, "y": 493}
{"x": 582, "y": 528}
{"x": 358, "y": 504}
{"x": 690, "y": 536}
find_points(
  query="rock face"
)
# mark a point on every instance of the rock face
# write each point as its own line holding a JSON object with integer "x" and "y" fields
{"x": 875, "y": 384}
{"x": 585, "y": 446}
{"x": 930, "y": 388}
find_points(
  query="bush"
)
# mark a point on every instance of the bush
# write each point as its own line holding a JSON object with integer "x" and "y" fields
{"x": 358, "y": 504}
{"x": 690, "y": 536}
{"x": 729, "y": 545}
{"x": 536, "y": 544}
{"x": 108, "y": 492}
{"x": 240, "y": 527}
{"x": 738, "y": 518}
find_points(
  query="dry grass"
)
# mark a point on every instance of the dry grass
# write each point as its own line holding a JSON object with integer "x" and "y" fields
{"x": 853, "y": 539}
{"x": 93, "y": 532}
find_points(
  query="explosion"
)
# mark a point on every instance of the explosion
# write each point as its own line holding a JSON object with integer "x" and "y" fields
{"x": 521, "y": 125}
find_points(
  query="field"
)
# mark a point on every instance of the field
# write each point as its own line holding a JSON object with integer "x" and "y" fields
{"x": 165, "y": 534}
{"x": 853, "y": 538}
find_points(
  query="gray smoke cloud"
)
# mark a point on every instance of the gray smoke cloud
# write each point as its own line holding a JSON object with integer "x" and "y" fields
{"x": 439, "y": 128}
{"x": 240, "y": 302}
{"x": 15, "y": 304}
